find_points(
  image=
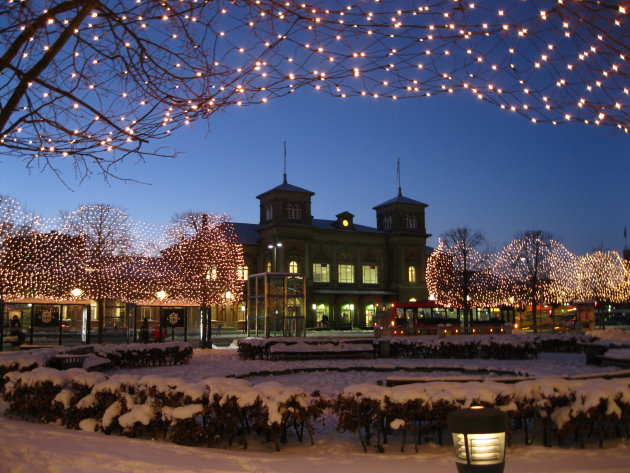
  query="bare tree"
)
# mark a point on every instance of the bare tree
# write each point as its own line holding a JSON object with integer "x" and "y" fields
{"x": 538, "y": 270}
{"x": 206, "y": 256}
{"x": 458, "y": 270}
{"x": 91, "y": 82}
{"x": 106, "y": 234}
{"x": 88, "y": 83}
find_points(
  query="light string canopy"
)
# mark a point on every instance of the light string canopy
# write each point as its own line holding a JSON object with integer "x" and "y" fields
{"x": 90, "y": 82}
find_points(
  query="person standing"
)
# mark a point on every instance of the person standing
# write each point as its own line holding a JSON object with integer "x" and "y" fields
{"x": 16, "y": 331}
{"x": 144, "y": 330}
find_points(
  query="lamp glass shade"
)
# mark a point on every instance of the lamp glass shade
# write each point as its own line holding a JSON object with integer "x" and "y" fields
{"x": 479, "y": 449}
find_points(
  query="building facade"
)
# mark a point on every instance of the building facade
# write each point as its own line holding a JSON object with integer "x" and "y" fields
{"x": 349, "y": 268}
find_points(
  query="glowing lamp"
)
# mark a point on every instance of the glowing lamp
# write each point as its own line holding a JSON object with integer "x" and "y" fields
{"x": 76, "y": 292}
{"x": 478, "y": 439}
{"x": 161, "y": 295}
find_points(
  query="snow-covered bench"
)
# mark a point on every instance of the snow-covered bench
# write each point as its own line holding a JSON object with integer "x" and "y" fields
{"x": 306, "y": 351}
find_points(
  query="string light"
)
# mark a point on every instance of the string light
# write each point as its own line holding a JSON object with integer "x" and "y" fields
{"x": 531, "y": 268}
{"x": 178, "y": 63}
{"x": 101, "y": 251}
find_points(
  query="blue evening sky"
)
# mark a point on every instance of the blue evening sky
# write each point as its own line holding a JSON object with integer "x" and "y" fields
{"x": 472, "y": 163}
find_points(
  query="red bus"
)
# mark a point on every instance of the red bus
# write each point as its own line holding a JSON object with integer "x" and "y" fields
{"x": 430, "y": 318}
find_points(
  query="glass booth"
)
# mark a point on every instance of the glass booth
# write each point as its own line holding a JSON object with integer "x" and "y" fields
{"x": 276, "y": 304}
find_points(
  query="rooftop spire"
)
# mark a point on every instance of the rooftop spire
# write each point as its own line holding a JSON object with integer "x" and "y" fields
{"x": 284, "y": 181}
{"x": 398, "y": 173}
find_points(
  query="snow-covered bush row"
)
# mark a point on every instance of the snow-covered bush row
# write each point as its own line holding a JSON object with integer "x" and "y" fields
{"x": 142, "y": 354}
{"x": 222, "y": 411}
{"x": 131, "y": 355}
{"x": 505, "y": 347}
{"x": 568, "y": 409}
{"x": 212, "y": 412}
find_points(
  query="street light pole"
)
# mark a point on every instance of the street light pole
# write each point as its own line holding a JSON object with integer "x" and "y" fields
{"x": 274, "y": 247}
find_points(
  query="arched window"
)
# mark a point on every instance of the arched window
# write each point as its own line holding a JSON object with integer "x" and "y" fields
{"x": 387, "y": 222}
{"x": 293, "y": 266}
{"x": 293, "y": 211}
{"x": 411, "y": 221}
{"x": 242, "y": 272}
{"x": 411, "y": 274}
{"x": 268, "y": 266}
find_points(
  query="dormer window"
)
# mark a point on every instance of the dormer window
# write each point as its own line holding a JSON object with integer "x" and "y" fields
{"x": 345, "y": 221}
{"x": 293, "y": 211}
{"x": 411, "y": 221}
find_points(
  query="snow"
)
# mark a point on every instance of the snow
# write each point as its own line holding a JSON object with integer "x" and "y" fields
{"x": 39, "y": 448}
{"x": 618, "y": 354}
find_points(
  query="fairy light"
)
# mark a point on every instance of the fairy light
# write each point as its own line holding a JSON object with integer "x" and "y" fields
{"x": 602, "y": 276}
{"x": 98, "y": 252}
{"x": 141, "y": 49}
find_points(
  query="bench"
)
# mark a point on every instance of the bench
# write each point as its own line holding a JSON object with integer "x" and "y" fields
{"x": 65, "y": 361}
{"x": 308, "y": 351}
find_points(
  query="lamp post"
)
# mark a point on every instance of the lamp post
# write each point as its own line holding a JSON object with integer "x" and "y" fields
{"x": 274, "y": 247}
{"x": 479, "y": 439}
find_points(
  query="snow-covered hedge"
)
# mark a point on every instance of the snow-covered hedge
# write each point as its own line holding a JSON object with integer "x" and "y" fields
{"x": 136, "y": 355}
{"x": 213, "y": 412}
{"x": 131, "y": 355}
{"x": 503, "y": 347}
{"x": 222, "y": 411}
{"x": 565, "y": 408}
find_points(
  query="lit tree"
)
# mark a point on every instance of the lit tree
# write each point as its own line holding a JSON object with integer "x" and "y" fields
{"x": 538, "y": 270}
{"x": 90, "y": 82}
{"x": 15, "y": 222}
{"x": 44, "y": 263}
{"x": 602, "y": 278}
{"x": 106, "y": 234}
{"x": 458, "y": 271}
{"x": 205, "y": 255}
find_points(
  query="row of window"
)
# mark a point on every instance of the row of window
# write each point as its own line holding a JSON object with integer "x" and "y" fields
{"x": 345, "y": 272}
{"x": 292, "y": 211}
{"x": 411, "y": 222}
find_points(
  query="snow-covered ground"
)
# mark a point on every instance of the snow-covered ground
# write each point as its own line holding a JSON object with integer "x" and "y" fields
{"x": 27, "y": 447}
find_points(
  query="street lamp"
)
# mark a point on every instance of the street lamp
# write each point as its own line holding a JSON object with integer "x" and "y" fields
{"x": 274, "y": 247}
{"x": 478, "y": 439}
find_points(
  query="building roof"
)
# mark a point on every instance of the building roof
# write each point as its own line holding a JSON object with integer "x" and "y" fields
{"x": 286, "y": 187}
{"x": 400, "y": 199}
{"x": 247, "y": 233}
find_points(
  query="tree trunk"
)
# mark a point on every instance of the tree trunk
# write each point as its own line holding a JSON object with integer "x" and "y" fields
{"x": 1, "y": 323}
{"x": 100, "y": 319}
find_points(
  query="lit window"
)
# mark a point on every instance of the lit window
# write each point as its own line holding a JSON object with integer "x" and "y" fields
{"x": 242, "y": 272}
{"x": 411, "y": 272}
{"x": 293, "y": 266}
{"x": 346, "y": 273}
{"x": 269, "y": 212}
{"x": 293, "y": 211}
{"x": 370, "y": 274}
{"x": 411, "y": 221}
{"x": 321, "y": 272}
{"x": 268, "y": 266}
